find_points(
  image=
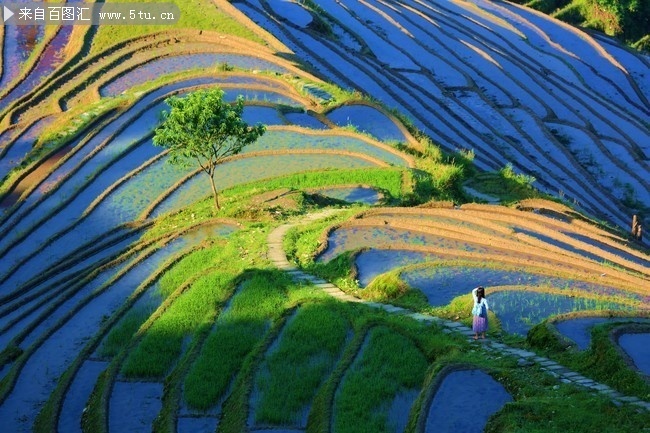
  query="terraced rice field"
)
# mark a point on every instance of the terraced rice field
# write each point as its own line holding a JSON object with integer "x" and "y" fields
{"x": 508, "y": 83}
{"x": 533, "y": 265}
{"x": 128, "y": 304}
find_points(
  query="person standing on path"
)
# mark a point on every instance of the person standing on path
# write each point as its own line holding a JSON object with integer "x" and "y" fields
{"x": 479, "y": 312}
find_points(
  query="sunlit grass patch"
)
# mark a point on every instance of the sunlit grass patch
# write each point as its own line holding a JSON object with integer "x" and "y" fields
{"x": 388, "y": 364}
{"x": 602, "y": 361}
{"x": 162, "y": 344}
{"x": 259, "y": 299}
{"x": 301, "y": 243}
{"x": 293, "y": 372}
{"x": 196, "y": 14}
{"x": 506, "y": 184}
{"x": 122, "y": 333}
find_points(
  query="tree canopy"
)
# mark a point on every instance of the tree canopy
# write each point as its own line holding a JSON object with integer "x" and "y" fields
{"x": 203, "y": 128}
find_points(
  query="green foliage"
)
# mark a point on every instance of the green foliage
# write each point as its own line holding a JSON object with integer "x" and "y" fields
{"x": 387, "y": 180}
{"x": 508, "y": 172}
{"x": 163, "y": 342}
{"x": 204, "y": 128}
{"x": 541, "y": 336}
{"x": 388, "y": 364}
{"x": 242, "y": 325}
{"x": 506, "y": 185}
{"x": 10, "y": 354}
{"x": 386, "y": 288}
{"x": 547, "y": 6}
{"x": 301, "y": 243}
{"x": 122, "y": 333}
{"x": 628, "y": 20}
{"x": 573, "y": 14}
{"x": 564, "y": 410}
{"x": 604, "y": 363}
{"x": 307, "y": 352}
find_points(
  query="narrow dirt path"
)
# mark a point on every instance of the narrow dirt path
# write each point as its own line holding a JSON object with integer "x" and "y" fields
{"x": 278, "y": 257}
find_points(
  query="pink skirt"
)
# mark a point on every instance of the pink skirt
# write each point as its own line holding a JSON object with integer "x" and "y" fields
{"x": 479, "y": 324}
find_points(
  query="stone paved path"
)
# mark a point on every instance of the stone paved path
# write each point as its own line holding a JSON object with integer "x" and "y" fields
{"x": 278, "y": 257}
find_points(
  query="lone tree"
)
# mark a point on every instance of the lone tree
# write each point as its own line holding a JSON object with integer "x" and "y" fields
{"x": 204, "y": 128}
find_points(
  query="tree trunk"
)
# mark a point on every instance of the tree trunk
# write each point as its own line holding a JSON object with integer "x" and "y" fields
{"x": 215, "y": 195}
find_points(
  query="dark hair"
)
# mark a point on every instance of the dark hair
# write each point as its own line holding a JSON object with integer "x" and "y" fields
{"x": 480, "y": 293}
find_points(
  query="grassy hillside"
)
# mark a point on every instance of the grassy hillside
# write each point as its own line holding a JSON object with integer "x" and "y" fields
{"x": 627, "y": 20}
{"x": 331, "y": 291}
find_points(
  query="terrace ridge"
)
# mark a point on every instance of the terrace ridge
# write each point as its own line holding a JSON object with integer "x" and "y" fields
{"x": 278, "y": 258}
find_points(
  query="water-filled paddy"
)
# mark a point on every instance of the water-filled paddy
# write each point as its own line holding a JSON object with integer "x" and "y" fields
{"x": 206, "y": 424}
{"x": 566, "y": 247}
{"x": 374, "y": 262}
{"x": 47, "y": 62}
{"x": 21, "y": 147}
{"x": 610, "y": 248}
{"x": 35, "y": 306}
{"x": 256, "y": 95}
{"x": 102, "y": 221}
{"x": 579, "y": 329}
{"x": 39, "y": 376}
{"x": 74, "y": 196}
{"x": 637, "y": 347}
{"x": 305, "y": 120}
{"x": 442, "y": 284}
{"x": 265, "y": 115}
{"x": 289, "y": 140}
{"x": 449, "y": 217}
{"x": 141, "y": 400}
{"x": 464, "y": 402}
{"x": 518, "y": 311}
{"x": 291, "y": 11}
{"x": 76, "y": 399}
{"x": 250, "y": 169}
{"x": 352, "y": 238}
{"x": 136, "y": 128}
{"x": 167, "y": 65}
{"x": 369, "y": 120}
{"x": 352, "y": 194}
{"x": 18, "y": 44}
